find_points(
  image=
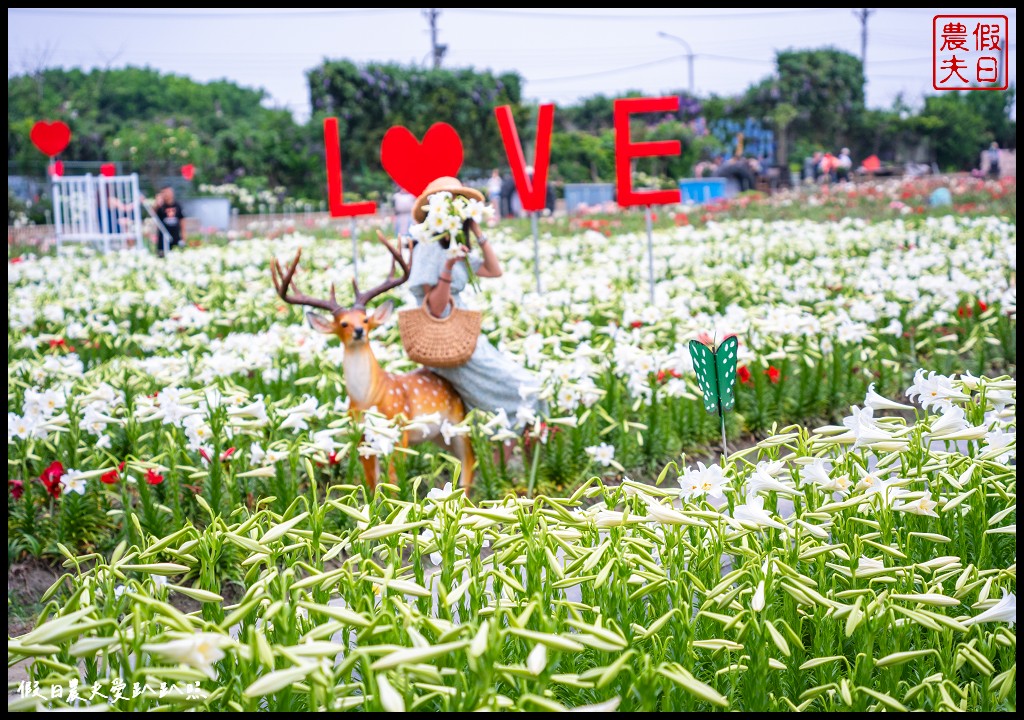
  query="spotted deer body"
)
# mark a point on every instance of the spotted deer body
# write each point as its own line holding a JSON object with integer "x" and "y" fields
{"x": 403, "y": 396}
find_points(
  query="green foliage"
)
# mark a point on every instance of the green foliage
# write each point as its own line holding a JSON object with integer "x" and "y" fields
{"x": 170, "y": 120}
{"x": 582, "y": 157}
{"x": 814, "y": 100}
{"x": 369, "y": 99}
{"x": 959, "y": 125}
{"x": 825, "y": 87}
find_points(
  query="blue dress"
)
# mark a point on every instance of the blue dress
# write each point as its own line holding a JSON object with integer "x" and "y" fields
{"x": 491, "y": 380}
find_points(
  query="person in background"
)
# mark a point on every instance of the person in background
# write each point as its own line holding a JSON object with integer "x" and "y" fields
{"x": 118, "y": 214}
{"x": 158, "y": 202}
{"x": 844, "y": 165}
{"x": 494, "y": 191}
{"x": 170, "y": 213}
{"x": 993, "y": 160}
{"x": 827, "y": 168}
{"x": 738, "y": 170}
{"x": 403, "y": 201}
{"x": 508, "y": 189}
{"x": 813, "y": 171}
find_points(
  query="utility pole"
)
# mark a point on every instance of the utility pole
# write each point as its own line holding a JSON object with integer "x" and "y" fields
{"x": 689, "y": 55}
{"x": 863, "y": 14}
{"x": 436, "y": 51}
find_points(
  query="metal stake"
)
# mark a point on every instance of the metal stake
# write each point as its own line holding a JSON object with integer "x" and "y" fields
{"x": 536, "y": 249}
{"x": 650, "y": 251}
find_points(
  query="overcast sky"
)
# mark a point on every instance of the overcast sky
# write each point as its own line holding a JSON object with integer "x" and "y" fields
{"x": 564, "y": 54}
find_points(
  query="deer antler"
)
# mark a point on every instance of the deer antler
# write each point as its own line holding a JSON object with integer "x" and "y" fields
{"x": 284, "y": 279}
{"x": 362, "y": 298}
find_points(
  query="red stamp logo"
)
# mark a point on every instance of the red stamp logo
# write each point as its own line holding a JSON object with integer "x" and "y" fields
{"x": 969, "y": 52}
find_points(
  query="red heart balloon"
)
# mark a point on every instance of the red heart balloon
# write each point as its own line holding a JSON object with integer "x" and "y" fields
{"x": 108, "y": 170}
{"x": 57, "y": 169}
{"x": 50, "y": 137}
{"x": 414, "y": 164}
{"x": 188, "y": 171}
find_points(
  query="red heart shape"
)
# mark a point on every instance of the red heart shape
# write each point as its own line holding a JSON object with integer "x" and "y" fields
{"x": 50, "y": 137}
{"x": 108, "y": 170}
{"x": 188, "y": 171}
{"x": 57, "y": 169}
{"x": 414, "y": 164}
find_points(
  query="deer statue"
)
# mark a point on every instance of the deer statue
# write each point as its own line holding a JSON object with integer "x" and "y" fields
{"x": 410, "y": 395}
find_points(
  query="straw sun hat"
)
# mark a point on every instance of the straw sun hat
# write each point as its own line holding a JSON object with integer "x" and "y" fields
{"x": 452, "y": 185}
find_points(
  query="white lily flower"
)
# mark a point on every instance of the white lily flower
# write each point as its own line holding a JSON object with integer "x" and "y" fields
{"x": 72, "y": 482}
{"x": 200, "y": 651}
{"x": 753, "y": 512}
{"x": 703, "y": 481}
{"x": 1003, "y": 611}
{"x": 876, "y": 402}
{"x": 922, "y": 506}
{"x": 757, "y": 602}
{"x": 537, "y": 660}
{"x": 762, "y": 481}
{"x": 390, "y": 699}
{"x": 604, "y": 454}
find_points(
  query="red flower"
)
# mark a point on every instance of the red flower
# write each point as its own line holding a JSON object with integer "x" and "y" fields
{"x": 964, "y": 311}
{"x": 773, "y": 374}
{"x": 112, "y": 476}
{"x": 664, "y": 375}
{"x": 50, "y": 478}
{"x": 743, "y": 373}
{"x": 545, "y": 431}
{"x": 333, "y": 459}
{"x": 153, "y": 478}
{"x": 15, "y": 261}
{"x": 226, "y": 455}
{"x": 17, "y": 488}
{"x": 982, "y": 307}
{"x": 636, "y": 323}
{"x": 53, "y": 473}
{"x": 703, "y": 337}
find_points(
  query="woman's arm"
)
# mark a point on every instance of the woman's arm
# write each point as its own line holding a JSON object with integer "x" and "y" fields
{"x": 491, "y": 267}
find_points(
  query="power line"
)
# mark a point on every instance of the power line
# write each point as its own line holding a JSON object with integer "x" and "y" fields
{"x": 612, "y": 71}
{"x": 605, "y": 16}
{"x": 730, "y": 58}
{"x": 214, "y": 14}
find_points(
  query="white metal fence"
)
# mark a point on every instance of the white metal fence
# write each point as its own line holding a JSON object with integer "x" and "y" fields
{"x": 105, "y": 212}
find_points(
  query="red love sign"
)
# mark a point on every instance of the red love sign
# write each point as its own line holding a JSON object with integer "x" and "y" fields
{"x": 107, "y": 170}
{"x": 50, "y": 137}
{"x": 188, "y": 171}
{"x": 414, "y": 164}
{"x": 57, "y": 169}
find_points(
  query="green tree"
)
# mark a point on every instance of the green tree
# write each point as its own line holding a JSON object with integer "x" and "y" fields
{"x": 958, "y": 126}
{"x": 825, "y": 87}
{"x": 369, "y": 99}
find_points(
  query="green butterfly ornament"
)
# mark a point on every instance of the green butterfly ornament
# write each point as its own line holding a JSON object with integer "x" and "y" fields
{"x": 716, "y": 373}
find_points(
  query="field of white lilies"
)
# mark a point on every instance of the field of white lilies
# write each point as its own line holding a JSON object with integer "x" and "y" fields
{"x": 179, "y": 439}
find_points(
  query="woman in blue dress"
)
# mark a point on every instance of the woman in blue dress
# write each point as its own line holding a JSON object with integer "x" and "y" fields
{"x": 490, "y": 380}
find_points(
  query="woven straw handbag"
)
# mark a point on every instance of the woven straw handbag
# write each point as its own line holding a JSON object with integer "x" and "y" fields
{"x": 439, "y": 342}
